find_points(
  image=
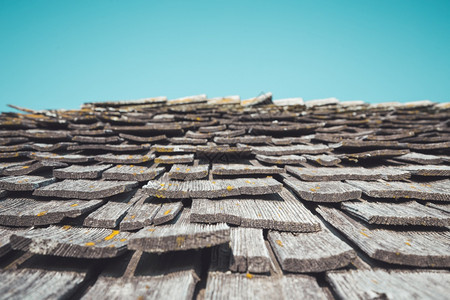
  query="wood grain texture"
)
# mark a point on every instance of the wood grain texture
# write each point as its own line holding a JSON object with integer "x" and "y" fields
{"x": 324, "y": 160}
{"x": 242, "y": 169}
{"x": 420, "y": 158}
{"x": 111, "y": 148}
{"x": 281, "y": 212}
{"x": 356, "y": 173}
{"x": 287, "y": 150}
{"x": 281, "y": 160}
{"x": 131, "y": 172}
{"x": 390, "y": 284}
{"x": 222, "y": 286}
{"x": 142, "y": 139}
{"x": 107, "y": 216}
{"x": 67, "y": 241}
{"x": 139, "y": 216}
{"x": 81, "y": 172}
{"x": 248, "y": 251}
{"x": 186, "y": 172}
{"x": 35, "y": 167}
{"x": 410, "y": 213}
{"x": 427, "y": 170}
{"x": 38, "y": 284}
{"x": 434, "y": 191}
{"x": 85, "y": 189}
{"x": 174, "y": 159}
{"x": 410, "y": 248}
{"x": 5, "y": 234}
{"x": 246, "y": 139}
{"x": 24, "y": 182}
{"x": 376, "y": 154}
{"x": 442, "y": 207}
{"x": 124, "y": 158}
{"x": 310, "y": 252}
{"x": 67, "y": 158}
{"x": 167, "y": 212}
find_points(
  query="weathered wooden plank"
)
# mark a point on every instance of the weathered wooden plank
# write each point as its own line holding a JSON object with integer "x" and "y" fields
{"x": 139, "y": 216}
{"x": 213, "y": 153}
{"x": 29, "y": 212}
{"x": 429, "y": 146}
{"x": 287, "y": 150}
{"x": 142, "y": 139}
{"x": 357, "y": 173}
{"x": 179, "y": 285}
{"x": 97, "y": 139}
{"x": 46, "y": 134}
{"x": 182, "y": 235}
{"x": 109, "y": 147}
{"x": 81, "y": 172}
{"x": 248, "y": 251}
{"x": 410, "y": 213}
{"x": 5, "y": 234}
{"x": 218, "y": 188}
{"x": 27, "y": 169}
{"x": 186, "y": 172}
{"x": 427, "y": 170}
{"x": 198, "y": 135}
{"x": 390, "y": 284}
{"x": 38, "y": 284}
{"x": 50, "y": 147}
{"x": 324, "y": 160}
{"x": 131, "y": 172}
{"x": 67, "y": 241}
{"x": 174, "y": 148}
{"x": 434, "y": 191}
{"x": 411, "y": 248}
{"x": 186, "y": 140}
{"x": 442, "y": 207}
{"x": 174, "y": 159}
{"x": 331, "y": 191}
{"x": 24, "y": 182}
{"x": 167, "y": 212}
{"x": 246, "y": 139}
{"x": 375, "y": 154}
{"x": 125, "y": 158}
{"x": 420, "y": 158}
{"x": 212, "y": 128}
{"x": 85, "y": 189}
{"x": 223, "y": 286}
{"x": 67, "y": 158}
{"x": 281, "y": 212}
{"x": 107, "y": 216}
{"x": 281, "y": 160}
{"x": 310, "y": 252}
{"x": 242, "y": 169}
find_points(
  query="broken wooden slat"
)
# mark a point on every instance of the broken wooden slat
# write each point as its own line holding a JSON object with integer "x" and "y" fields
{"x": 81, "y": 172}
{"x": 357, "y": 173}
{"x": 139, "y": 216}
{"x": 390, "y": 284}
{"x": 124, "y": 158}
{"x": 420, "y": 158}
{"x": 287, "y": 150}
{"x": 85, "y": 189}
{"x": 167, "y": 212}
{"x": 281, "y": 212}
{"x": 38, "y": 284}
{"x": 5, "y": 234}
{"x": 281, "y": 160}
{"x": 131, "y": 172}
{"x": 328, "y": 191}
{"x": 410, "y": 213}
{"x": 242, "y": 169}
{"x": 435, "y": 191}
{"x": 182, "y": 235}
{"x": 27, "y": 169}
{"x": 411, "y": 248}
{"x": 222, "y": 286}
{"x": 186, "y": 172}
{"x": 324, "y": 160}
{"x": 107, "y": 216}
{"x": 67, "y": 241}
{"x": 174, "y": 159}
{"x": 427, "y": 170}
{"x": 29, "y": 212}
{"x": 310, "y": 252}
{"x": 24, "y": 182}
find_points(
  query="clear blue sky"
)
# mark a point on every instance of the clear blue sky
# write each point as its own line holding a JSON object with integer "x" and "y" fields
{"x": 58, "y": 54}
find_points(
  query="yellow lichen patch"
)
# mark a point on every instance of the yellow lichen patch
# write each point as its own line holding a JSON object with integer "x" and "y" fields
{"x": 249, "y": 276}
{"x": 131, "y": 166}
{"x": 180, "y": 241}
{"x": 187, "y": 170}
{"x": 90, "y": 244}
{"x": 407, "y": 243}
{"x": 151, "y": 229}
{"x": 123, "y": 240}
{"x": 363, "y": 233}
{"x": 25, "y": 167}
{"x": 158, "y": 161}
{"x": 130, "y": 156}
{"x": 145, "y": 158}
{"x": 133, "y": 216}
{"x": 229, "y": 188}
{"x": 113, "y": 234}
{"x": 119, "y": 166}
{"x": 112, "y": 246}
{"x": 161, "y": 149}
{"x": 66, "y": 227}
{"x": 167, "y": 212}
{"x": 42, "y": 213}
{"x": 279, "y": 243}
{"x": 91, "y": 186}
{"x": 178, "y": 169}
{"x": 312, "y": 189}
{"x": 75, "y": 204}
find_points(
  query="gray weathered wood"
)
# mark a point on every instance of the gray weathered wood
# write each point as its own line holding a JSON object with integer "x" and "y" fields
{"x": 357, "y": 173}
{"x": 85, "y": 189}
{"x": 420, "y": 158}
{"x": 182, "y": 235}
{"x": 242, "y": 169}
{"x": 139, "y": 216}
{"x": 131, "y": 172}
{"x": 36, "y": 167}
{"x": 281, "y": 212}
{"x": 310, "y": 252}
{"x": 410, "y": 248}
{"x": 429, "y": 146}
{"x": 281, "y": 160}
{"x": 247, "y": 139}
{"x": 434, "y": 191}
{"x": 67, "y": 158}
{"x": 167, "y": 212}
{"x": 324, "y": 160}
{"x": 81, "y": 172}
{"x": 186, "y": 172}
{"x": 142, "y": 139}
{"x": 212, "y": 128}
{"x": 67, "y": 241}
{"x": 174, "y": 159}
{"x": 427, "y": 170}
{"x": 24, "y": 182}
{"x": 186, "y": 140}
{"x": 376, "y": 154}
{"x": 331, "y": 191}
{"x": 286, "y": 150}
{"x": 38, "y": 284}
{"x": 248, "y": 251}
{"x": 109, "y": 147}
{"x": 174, "y": 148}
{"x": 410, "y": 213}
{"x": 5, "y": 234}
{"x": 29, "y": 212}
{"x": 390, "y": 284}
{"x": 124, "y": 158}
{"x": 442, "y": 207}
{"x": 96, "y": 139}
{"x": 107, "y": 216}
{"x": 223, "y": 286}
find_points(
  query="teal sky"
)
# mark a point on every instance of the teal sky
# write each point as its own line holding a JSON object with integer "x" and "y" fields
{"x": 59, "y": 54}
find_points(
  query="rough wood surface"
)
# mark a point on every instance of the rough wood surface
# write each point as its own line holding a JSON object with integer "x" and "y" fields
{"x": 357, "y": 173}
{"x": 81, "y": 172}
{"x": 287, "y": 150}
{"x": 172, "y": 286}
{"x": 124, "y": 158}
{"x": 131, "y": 172}
{"x": 410, "y": 248}
{"x": 223, "y": 286}
{"x": 96, "y": 139}
{"x": 328, "y": 191}
{"x": 67, "y": 241}
{"x": 310, "y": 252}
{"x": 186, "y": 140}
{"x": 142, "y": 139}
{"x": 429, "y": 146}
{"x": 248, "y": 251}
{"x": 36, "y": 167}
{"x": 5, "y": 234}
{"x": 186, "y": 172}
{"x": 420, "y": 158}
{"x": 281, "y": 212}
{"x": 38, "y": 284}
{"x": 174, "y": 159}
{"x": 390, "y": 284}
{"x": 212, "y": 188}
{"x": 67, "y": 158}
{"x": 24, "y": 182}
{"x": 29, "y": 212}
{"x": 376, "y": 154}
{"x": 167, "y": 212}
{"x": 442, "y": 207}
{"x": 242, "y": 169}
{"x": 434, "y": 191}
{"x": 111, "y": 148}
{"x": 85, "y": 189}
{"x": 281, "y": 160}
{"x": 139, "y": 216}
{"x": 247, "y": 139}
{"x": 427, "y": 170}
{"x": 410, "y": 213}
{"x": 182, "y": 235}
{"x": 107, "y": 216}
{"x": 324, "y": 160}
{"x": 174, "y": 148}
